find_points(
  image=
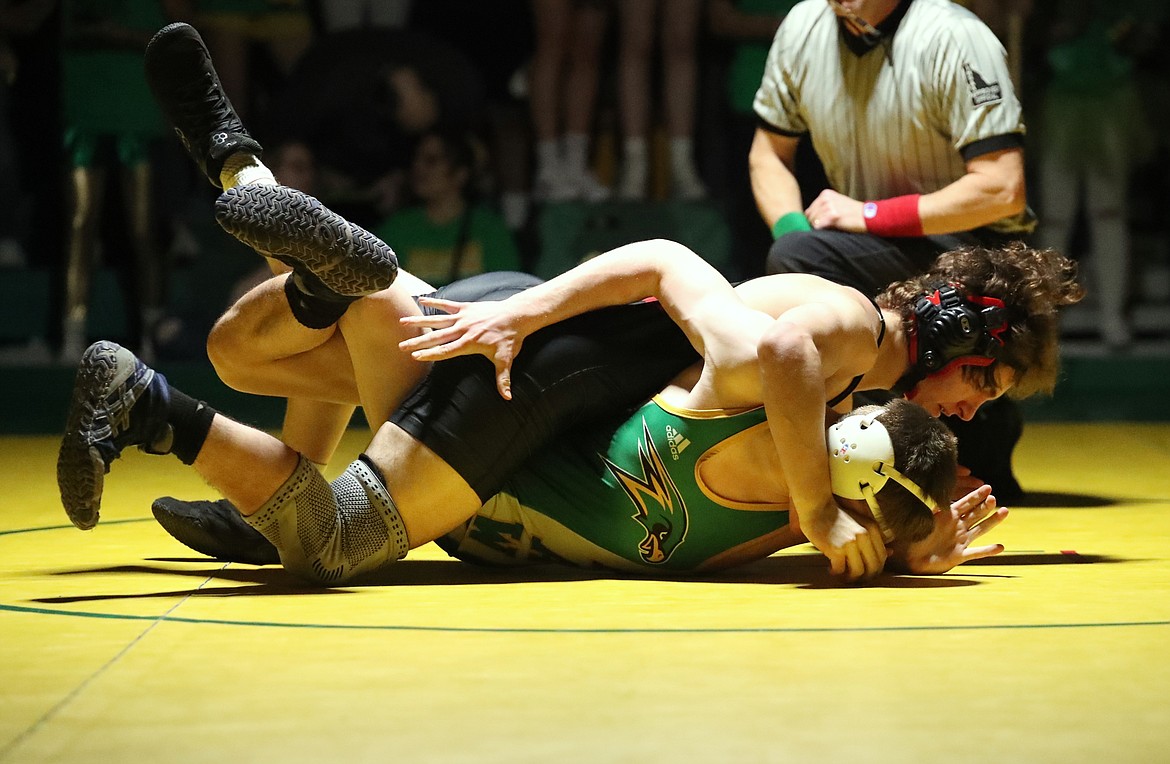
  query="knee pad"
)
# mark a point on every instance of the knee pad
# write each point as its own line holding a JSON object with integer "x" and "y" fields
{"x": 329, "y": 533}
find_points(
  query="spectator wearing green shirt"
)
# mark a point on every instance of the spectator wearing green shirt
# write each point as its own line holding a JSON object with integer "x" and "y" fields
{"x": 446, "y": 234}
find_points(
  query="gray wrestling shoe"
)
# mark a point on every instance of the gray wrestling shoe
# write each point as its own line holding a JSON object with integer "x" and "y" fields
{"x": 323, "y": 248}
{"x": 214, "y": 528}
{"x": 118, "y": 401}
{"x": 190, "y": 96}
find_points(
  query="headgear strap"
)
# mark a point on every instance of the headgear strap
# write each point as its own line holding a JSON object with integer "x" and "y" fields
{"x": 953, "y": 330}
{"x": 861, "y": 461}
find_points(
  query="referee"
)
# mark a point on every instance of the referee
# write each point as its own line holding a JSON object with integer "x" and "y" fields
{"x": 911, "y": 109}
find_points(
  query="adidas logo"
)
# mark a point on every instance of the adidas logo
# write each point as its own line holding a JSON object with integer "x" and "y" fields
{"x": 677, "y": 442}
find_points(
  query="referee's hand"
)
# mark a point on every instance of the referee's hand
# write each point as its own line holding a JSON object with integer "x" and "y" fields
{"x": 833, "y": 210}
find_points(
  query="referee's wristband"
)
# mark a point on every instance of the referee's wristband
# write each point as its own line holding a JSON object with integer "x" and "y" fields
{"x": 789, "y": 222}
{"x": 897, "y": 216}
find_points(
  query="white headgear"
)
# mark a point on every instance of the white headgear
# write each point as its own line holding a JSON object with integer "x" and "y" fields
{"x": 861, "y": 460}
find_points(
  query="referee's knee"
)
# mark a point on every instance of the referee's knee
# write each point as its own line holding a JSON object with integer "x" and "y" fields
{"x": 789, "y": 253}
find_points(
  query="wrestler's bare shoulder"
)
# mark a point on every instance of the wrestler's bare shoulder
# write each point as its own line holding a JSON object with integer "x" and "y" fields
{"x": 781, "y": 292}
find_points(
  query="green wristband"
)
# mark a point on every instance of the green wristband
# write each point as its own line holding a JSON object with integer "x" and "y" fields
{"x": 789, "y": 222}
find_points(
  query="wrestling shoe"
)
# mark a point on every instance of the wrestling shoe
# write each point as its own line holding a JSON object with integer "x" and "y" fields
{"x": 214, "y": 528}
{"x": 190, "y": 96}
{"x": 118, "y": 401}
{"x": 323, "y": 248}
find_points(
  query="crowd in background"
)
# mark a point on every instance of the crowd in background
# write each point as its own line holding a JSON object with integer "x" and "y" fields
{"x": 452, "y": 128}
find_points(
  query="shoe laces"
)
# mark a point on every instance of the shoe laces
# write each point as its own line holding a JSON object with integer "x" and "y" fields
{"x": 203, "y": 104}
{"x": 115, "y": 426}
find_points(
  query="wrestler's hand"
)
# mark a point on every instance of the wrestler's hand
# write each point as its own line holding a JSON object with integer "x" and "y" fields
{"x": 468, "y": 328}
{"x": 966, "y": 483}
{"x": 955, "y": 528}
{"x": 855, "y": 550}
{"x": 835, "y": 210}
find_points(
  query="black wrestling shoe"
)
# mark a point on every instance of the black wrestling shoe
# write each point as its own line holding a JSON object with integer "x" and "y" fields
{"x": 118, "y": 401}
{"x": 187, "y": 90}
{"x": 323, "y": 248}
{"x": 214, "y": 528}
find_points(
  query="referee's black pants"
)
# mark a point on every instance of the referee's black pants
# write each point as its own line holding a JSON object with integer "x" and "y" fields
{"x": 869, "y": 264}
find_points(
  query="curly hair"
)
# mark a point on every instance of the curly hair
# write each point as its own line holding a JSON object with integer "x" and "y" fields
{"x": 1033, "y": 284}
{"x": 927, "y": 452}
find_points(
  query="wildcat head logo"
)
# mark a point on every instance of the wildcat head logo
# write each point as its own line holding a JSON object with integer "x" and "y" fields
{"x": 658, "y": 506}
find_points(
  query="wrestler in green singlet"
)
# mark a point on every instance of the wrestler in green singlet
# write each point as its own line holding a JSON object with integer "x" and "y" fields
{"x": 634, "y": 505}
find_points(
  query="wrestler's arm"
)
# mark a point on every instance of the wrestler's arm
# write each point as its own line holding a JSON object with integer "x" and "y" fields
{"x": 687, "y": 286}
{"x": 807, "y": 345}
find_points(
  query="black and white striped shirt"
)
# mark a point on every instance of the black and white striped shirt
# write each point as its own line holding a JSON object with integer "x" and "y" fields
{"x": 902, "y": 116}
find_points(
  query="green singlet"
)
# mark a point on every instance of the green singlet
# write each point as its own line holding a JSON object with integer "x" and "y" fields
{"x": 636, "y": 504}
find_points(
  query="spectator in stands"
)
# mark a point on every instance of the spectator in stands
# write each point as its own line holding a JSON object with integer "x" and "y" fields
{"x": 672, "y": 28}
{"x": 564, "y": 77}
{"x": 448, "y": 233}
{"x": 1094, "y": 130}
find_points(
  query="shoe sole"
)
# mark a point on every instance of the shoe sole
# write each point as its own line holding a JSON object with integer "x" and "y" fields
{"x": 296, "y": 229}
{"x": 80, "y": 468}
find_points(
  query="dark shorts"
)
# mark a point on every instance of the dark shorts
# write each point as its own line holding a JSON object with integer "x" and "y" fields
{"x": 595, "y": 368}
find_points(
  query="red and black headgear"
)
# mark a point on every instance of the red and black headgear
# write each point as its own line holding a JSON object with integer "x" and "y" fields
{"x": 952, "y": 329}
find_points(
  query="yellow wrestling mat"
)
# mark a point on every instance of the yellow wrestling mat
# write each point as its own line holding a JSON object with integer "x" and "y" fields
{"x": 119, "y": 645}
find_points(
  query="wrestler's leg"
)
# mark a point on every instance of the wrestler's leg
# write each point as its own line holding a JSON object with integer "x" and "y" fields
{"x": 118, "y": 401}
{"x": 398, "y": 496}
{"x": 259, "y": 347}
{"x": 325, "y": 533}
{"x": 368, "y": 331}
{"x": 187, "y": 88}
{"x": 334, "y": 263}
{"x": 588, "y": 369}
{"x": 314, "y": 428}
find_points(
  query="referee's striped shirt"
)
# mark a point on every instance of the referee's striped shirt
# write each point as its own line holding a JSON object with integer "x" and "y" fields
{"x": 903, "y": 116}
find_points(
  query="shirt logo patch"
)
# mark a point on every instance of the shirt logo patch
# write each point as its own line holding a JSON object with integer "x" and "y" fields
{"x": 678, "y": 442}
{"x": 982, "y": 91}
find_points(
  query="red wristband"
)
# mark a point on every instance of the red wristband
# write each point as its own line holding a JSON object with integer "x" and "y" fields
{"x": 897, "y": 216}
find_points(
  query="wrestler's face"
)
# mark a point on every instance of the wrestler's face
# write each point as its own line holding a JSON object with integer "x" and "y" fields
{"x": 871, "y": 11}
{"x": 953, "y": 393}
